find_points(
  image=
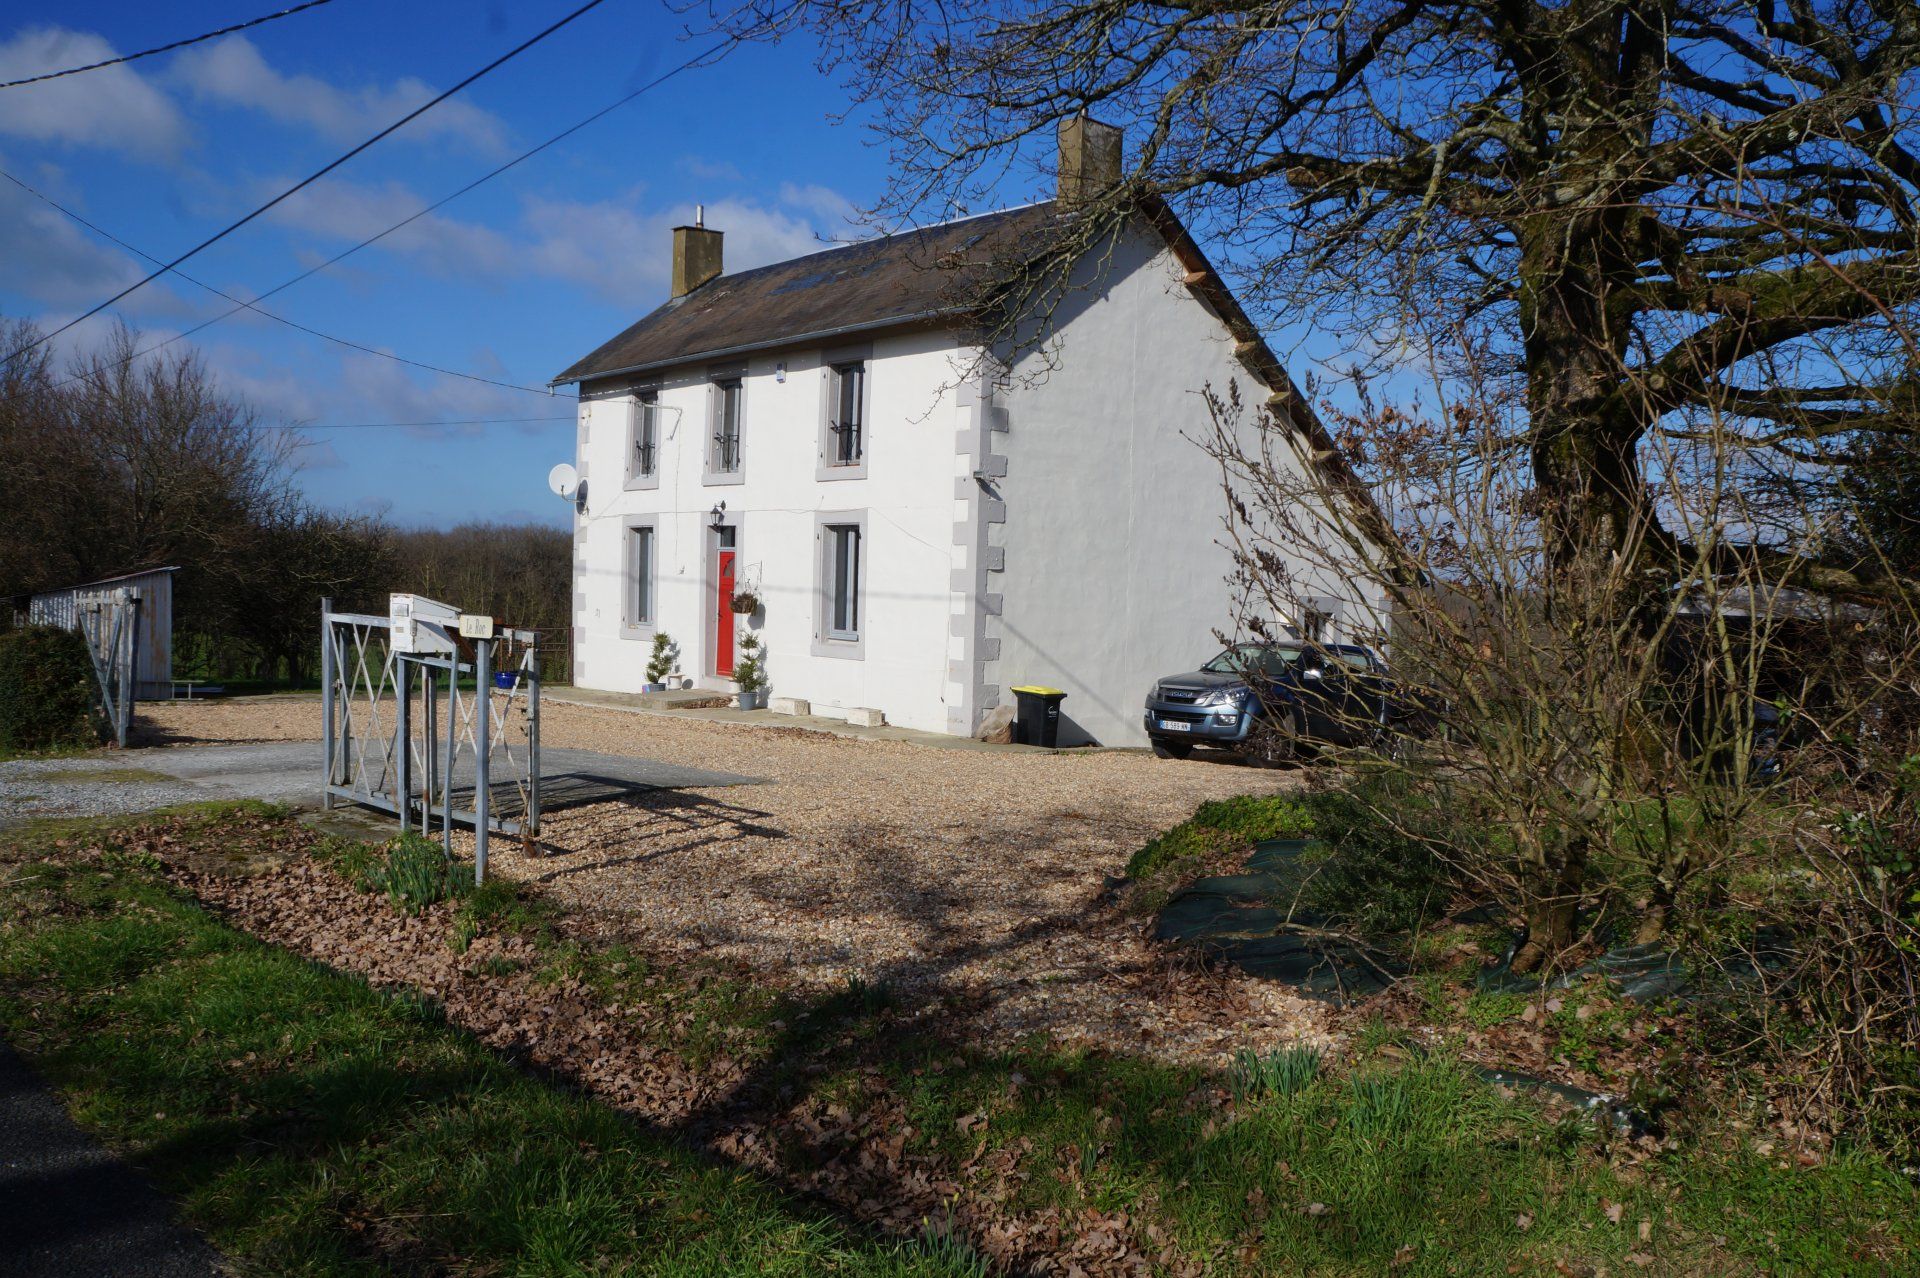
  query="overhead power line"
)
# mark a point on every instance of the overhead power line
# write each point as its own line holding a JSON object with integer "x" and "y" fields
{"x": 242, "y": 305}
{"x": 468, "y": 421}
{"x": 310, "y": 179}
{"x": 694, "y": 61}
{"x": 168, "y": 48}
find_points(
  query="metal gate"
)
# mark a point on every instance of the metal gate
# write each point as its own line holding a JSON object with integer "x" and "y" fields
{"x": 430, "y": 724}
{"x": 111, "y": 627}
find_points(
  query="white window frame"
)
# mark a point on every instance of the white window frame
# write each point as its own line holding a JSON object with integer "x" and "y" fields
{"x": 643, "y": 408}
{"x": 1320, "y": 619}
{"x": 833, "y": 363}
{"x": 827, "y": 641}
{"x": 635, "y": 621}
{"x": 718, "y": 380}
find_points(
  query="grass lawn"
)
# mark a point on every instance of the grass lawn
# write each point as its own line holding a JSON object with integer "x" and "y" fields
{"x": 312, "y": 1125}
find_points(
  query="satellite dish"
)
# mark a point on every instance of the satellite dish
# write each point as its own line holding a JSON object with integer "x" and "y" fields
{"x": 564, "y": 480}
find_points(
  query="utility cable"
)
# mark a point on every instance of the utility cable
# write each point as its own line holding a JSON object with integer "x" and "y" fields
{"x": 240, "y": 305}
{"x": 468, "y": 421}
{"x": 309, "y": 180}
{"x": 168, "y": 48}
{"x": 569, "y": 131}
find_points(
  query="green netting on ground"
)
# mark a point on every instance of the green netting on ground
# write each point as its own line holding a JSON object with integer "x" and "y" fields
{"x": 1254, "y": 921}
{"x": 1648, "y": 973}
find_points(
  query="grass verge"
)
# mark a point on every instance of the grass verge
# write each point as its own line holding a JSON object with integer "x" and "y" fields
{"x": 313, "y": 1126}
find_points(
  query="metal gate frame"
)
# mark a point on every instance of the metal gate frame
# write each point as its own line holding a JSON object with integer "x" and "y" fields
{"x": 377, "y": 756}
{"x": 111, "y": 628}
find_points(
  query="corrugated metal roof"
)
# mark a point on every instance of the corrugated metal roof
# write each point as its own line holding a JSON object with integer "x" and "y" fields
{"x": 916, "y": 275}
{"x": 108, "y": 581}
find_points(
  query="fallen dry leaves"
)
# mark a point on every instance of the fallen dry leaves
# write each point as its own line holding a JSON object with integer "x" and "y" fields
{"x": 856, "y": 1155}
{"x": 959, "y": 878}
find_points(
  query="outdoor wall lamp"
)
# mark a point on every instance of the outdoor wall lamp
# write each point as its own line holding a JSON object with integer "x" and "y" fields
{"x": 718, "y": 516}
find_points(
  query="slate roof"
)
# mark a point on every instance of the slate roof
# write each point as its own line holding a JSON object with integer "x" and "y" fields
{"x": 917, "y": 275}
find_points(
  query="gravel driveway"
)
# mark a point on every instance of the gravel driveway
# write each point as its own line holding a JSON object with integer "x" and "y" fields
{"x": 975, "y": 878}
{"x": 88, "y": 785}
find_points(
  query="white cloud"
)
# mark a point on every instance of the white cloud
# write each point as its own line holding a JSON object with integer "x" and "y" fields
{"x": 614, "y": 247}
{"x": 831, "y": 207}
{"x": 63, "y": 267}
{"x": 625, "y": 254}
{"x": 379, "y": 390}
{"x": 232, "y": 73}
{"x": 347, "y": 212}
{"x": 112, "y": 107}
{"x": 56, "y": 263}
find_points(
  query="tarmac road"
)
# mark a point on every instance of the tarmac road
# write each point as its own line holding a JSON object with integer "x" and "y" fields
{"x": 69, "y": 1207}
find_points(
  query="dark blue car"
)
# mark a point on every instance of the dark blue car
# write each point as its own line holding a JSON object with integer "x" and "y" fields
{"x": 1268, "y": 701}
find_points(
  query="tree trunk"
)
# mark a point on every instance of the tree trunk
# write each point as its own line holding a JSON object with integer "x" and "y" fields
{"x": 1584, "y": 463}
{"x": 1553, "y": 913}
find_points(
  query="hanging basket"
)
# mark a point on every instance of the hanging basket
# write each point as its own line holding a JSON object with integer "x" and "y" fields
{"x": 745, "y": 601}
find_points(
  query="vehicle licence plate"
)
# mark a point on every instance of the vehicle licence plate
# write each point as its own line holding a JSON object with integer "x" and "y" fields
{"x": 1174, "y": 725}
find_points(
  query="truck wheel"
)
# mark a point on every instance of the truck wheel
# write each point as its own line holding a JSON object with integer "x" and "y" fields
{"x": 1275, "y": 744}
{"x": 1393, "y": 745}
{"x": 1162, "y": 748}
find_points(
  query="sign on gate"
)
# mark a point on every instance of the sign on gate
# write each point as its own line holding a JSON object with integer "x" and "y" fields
{"x": 402, "y": 733}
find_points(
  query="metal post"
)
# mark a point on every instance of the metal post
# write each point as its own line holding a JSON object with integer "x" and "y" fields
{"x": 453, "y": 745}
{"x": 128, "y": 616}
{"x": 533, "y": 740}
{"x": 326, "y": 701}
{"x": 133, "y": 659}
{"x": 403, "y": 740}
{"x": 482, "y": 741}
{"x": 429, "y": 734}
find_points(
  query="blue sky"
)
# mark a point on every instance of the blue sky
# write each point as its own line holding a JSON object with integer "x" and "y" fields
{"x": 511, "y": 282}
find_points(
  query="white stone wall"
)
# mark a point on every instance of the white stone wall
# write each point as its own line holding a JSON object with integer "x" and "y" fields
{"x": 908, "y": 496}
{"x": 1112, "y": 569}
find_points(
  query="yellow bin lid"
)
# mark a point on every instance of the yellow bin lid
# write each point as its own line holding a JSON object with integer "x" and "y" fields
{"x": 1040, "y": 691}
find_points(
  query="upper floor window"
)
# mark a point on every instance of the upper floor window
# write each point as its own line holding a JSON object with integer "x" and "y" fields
{"x": 644, "y": 460}
{"x": 727, "y": 397}
{"x": 846, "y": 420}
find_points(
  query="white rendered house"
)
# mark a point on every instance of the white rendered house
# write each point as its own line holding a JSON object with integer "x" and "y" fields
{"x": 925, "y": 527}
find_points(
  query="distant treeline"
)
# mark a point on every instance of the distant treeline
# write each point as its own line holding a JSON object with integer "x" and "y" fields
{"x": 120, "y": 462}
{"x": 519, "y": 573}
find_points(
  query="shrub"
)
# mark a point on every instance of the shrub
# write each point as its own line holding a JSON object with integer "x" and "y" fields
{"x": 1221, "y": 824}
{"x": 664, "y": 657}
{"x": 1376, "y": 864}
{"x": 48, "y": 697}
{"x": 1381, "y": 870}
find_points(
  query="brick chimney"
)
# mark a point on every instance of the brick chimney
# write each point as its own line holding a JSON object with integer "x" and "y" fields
{"x": 696, "y": 254}
{"x": 1089, "y": 160}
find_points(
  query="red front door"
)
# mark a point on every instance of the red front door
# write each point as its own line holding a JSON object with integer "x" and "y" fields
{"x": 723, "y": 621}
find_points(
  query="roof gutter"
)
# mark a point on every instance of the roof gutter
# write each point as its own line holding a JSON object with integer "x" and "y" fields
{"x": 795, "y": 339}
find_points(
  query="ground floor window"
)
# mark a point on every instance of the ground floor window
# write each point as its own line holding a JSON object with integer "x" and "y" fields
{"x": 841, "y": 591}
{"x": 843, "y": 582}
{"x": 640, "y": 575}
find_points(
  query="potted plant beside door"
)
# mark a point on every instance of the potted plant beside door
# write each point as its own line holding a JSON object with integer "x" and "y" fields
{"x": 750, "y": 673}
{"x": 660, "y": 664}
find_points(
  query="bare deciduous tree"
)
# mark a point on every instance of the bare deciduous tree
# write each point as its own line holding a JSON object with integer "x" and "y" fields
{"x": 1649, "y": 215}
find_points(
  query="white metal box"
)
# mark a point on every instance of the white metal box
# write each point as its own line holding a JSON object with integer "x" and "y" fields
{"x": 421, "y": 625}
